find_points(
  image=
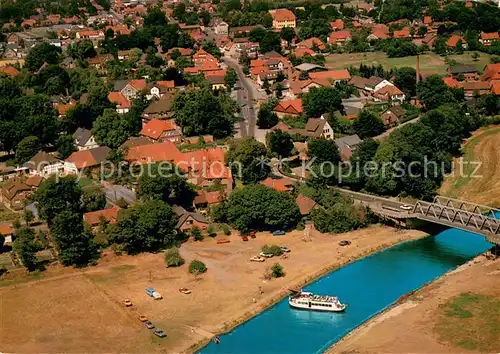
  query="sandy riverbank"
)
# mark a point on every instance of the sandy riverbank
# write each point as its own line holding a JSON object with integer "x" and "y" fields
{"x": 410, "y": 326}
{"x": 86, "y": 313}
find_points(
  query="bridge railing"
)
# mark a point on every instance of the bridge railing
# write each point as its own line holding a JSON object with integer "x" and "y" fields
{"x": 463, "y": 218}
{"x": 467, "y": 206}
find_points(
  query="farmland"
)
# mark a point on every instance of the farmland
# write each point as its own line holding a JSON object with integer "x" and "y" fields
{"x": 429, "y": 62}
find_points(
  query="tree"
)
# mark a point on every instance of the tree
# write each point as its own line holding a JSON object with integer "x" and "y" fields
{"x": 256, "y": 207}
{"x": 287, "y": 33}
{"x": 320, "y": 100}
{"x": 28, "y": 216}
{"x": 277, "y": 271}
{"x": 173, "y": 258}
{"x": 27, "y": 148}
{"x": 42, "y": 53}
{"x": 148, "y": 226}
{"x": 93, "y": 198}
{"x": 197, "y": 267}
{"x": 271, "y": 41}
{"x": 367, "y": 125}
{"x": 111, "y": 129}
{"x": 247, "y": 157}
{"x": 280, "y": 143}
{"x": 160, "y": 183}
{"x": 84, "y": 115}
{"x": 196, "y": 234}
{"x": 323, "y": 150}
{"x": 475, "y": 56}
{"x": 405, "y": 78}
{"x": 275, "y": 250}
{"x": 65, "y": 146}
{"x": 433, "y": 92}
{"x": 74, "y": 243}
{"x": 26, "y": 247}
{"x": 230, "y": 78}
{"x": 57, "y": 195}
{"x": 200, "y": 111}
{"x": 82, "y": 50}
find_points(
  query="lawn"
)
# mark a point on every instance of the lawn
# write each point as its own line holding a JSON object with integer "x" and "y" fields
{"x": 470, "y": 321}
{"x": 429, "y": 62}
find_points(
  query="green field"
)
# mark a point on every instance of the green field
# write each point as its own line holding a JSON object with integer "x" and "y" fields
{"x": 430, "y": 62}
{"x": 471, "y": 321}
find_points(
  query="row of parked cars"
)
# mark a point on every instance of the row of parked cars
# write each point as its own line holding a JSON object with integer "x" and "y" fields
{"x": 147, "y": 323}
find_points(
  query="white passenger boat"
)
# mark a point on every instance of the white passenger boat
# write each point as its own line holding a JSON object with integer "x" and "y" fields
{"x": 309, "y": 301}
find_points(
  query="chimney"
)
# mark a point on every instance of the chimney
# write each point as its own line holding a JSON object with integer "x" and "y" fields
{"x": 418, "y": 69}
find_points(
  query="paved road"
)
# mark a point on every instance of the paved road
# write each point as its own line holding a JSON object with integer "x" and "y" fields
{"x": 245, "y": 97}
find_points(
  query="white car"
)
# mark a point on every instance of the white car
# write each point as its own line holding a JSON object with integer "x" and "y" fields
{"x": 406, "y": 207}
{"x": 257, "y": 259}
{"x": 157, "y": 296}
{"x": 266, "y": 255}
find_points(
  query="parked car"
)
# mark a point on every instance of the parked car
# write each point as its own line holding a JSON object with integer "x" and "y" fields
{"x": 159, "y": 333}
{"x": 266, "y": 255}
{"x": 278, "y": 233}
{"x": 149, "y": 325}
{"x": 257, "y": 259}
{"x": 284, "y": 249}
{"x": 244, "y": 238}
{"x": 153, "y": 293}
{"x": 143, "y": 318}
{"x": 185, "y": 291}
{"x": 406, "y": 207}
{"x": 127, "y": 303}
{"x": 344, "y": 243}
{"x": 252, "y": 234}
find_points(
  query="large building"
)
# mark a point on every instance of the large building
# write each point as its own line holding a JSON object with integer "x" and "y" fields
{"x": 282, "y": 18}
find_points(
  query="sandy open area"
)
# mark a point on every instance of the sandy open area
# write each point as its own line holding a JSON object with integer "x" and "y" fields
{"x": 410, "y": 327}
{"x": 70, "y": 310}
{"x": 480, "y": 165}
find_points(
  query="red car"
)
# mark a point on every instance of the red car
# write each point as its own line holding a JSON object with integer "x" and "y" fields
{"x": 244, "y": 237}
{"x": 252, "y": 234}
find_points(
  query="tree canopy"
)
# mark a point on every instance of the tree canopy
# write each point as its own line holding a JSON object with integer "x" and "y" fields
{"x": 280, "y": 143}
{"x": 200, "y": 111}
{"x": 256, "y": 207}
{"x": 248, "y": 159}
{"x": 368, "y": 125}
{"x": 321, "y": 100}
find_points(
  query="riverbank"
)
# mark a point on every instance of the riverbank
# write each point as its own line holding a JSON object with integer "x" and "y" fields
{"x": 232, "y": 291}
{"x": 415, "y": 324}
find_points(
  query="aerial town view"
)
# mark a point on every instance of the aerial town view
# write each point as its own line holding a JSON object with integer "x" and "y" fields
{"x": 250, "y": 176}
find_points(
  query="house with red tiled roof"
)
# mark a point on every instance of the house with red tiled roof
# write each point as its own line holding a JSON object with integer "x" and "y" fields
{"x": 495, "y": 88}
{"x": 476, "y": 88}
{"x": 133, "y": 88}
{"x": 9, "y": 70}
{"x": 403, "y": 33}
{"x": 28, "y": 23}
{"x": 99, "y": 61}
{"x": 487, "y": 39}
{"x": 123, "y": 105}
{"x": 427, "y": 20}
{"x": 312, "y": 43}
{"x": 305, "y": 204}
{"x": 491, "y": 72}
{"x": 283, "y": 18}
{"x": 119, "y": 29}
{"x": 162, "y": 130}
{"x": 454, "y": 40}
{"x": 298, "y": 87}
{"x": 280, "y": 184}
{"x": 14, "y": 193}
{"x": 334, "y": 76}
{"x": 87, "y": 159}
{"x": 93, "y": 35}
{"x": 389, "y": 93}
{"x": 7, "y": 231}
{"x": 206, "y": 199}
{"x": 289, "y": 107}
{"x": 337, "y": 25}
{"x": 451, "y": 82}
{"x": 54, "y": 18}
{"x": 201, "y": 57}
{"x": 93, "y": 219}
{"x": 301, "y": 52}
{"x": 62, "y": 109}
{"x": 161, "y": 88}
{"x": 339, "y": 37}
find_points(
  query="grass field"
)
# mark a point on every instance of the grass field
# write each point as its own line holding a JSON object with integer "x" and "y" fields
{"x": 428, "y": 62}
{"x": 470, "y": 321}
{"x": 482, "y": 186}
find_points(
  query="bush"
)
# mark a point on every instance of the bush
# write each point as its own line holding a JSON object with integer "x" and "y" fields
{"x": 211, "y": 231}
{"x": 277, "y": 271}
{"x": 225, "y": 228}
{"x": 196, "y": 233}
{"x": 173, "y": 258}
{"x": 197, "y": 267}
{"x": 274, "y": 250}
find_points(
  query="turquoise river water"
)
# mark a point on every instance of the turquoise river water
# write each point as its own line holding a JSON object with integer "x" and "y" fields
{"x": 369, "y": 286}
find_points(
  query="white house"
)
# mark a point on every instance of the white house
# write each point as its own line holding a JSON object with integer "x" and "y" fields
{"x": 221, "y": 28}
{"x": 44, "y": 165}
{"x": 84, "y": 139}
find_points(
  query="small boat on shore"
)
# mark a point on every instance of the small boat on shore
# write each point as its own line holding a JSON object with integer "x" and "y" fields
{"x": 308, "y": 301}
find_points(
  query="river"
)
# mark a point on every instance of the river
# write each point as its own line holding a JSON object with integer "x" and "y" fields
{"x": 369, "y": 286}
